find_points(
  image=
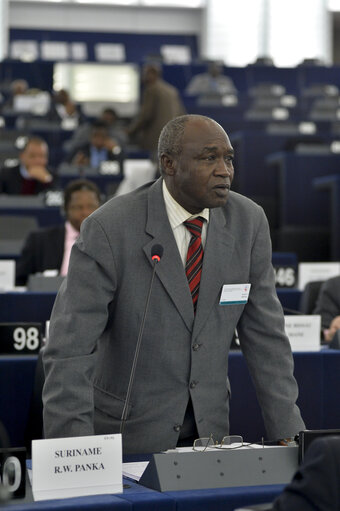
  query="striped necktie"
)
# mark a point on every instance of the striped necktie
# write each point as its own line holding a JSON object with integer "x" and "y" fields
{"x": 193, "y": 266}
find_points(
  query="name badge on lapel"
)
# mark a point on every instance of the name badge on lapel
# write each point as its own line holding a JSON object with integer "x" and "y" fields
{"x": 234, "y": 294}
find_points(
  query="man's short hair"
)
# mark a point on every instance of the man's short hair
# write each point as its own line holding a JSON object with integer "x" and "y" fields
{"x": 31, "y": 139}
{"x": 109, "y": 110}
{"x": 154, "y": 66}
{"x": 98, "y": 124}
{"x": 77, "y": 185}
{"x": 170, "y": 139}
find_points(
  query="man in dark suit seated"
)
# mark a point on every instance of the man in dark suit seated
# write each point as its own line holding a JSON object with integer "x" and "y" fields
{"x": 30, "y": 175}
{"x": 82, "y": 134}
{"x": 63, "y": 108}
{"x": 316, "y": 485}
{"x": 328, "y": 306}
{"x": 100, "y": 148}
{"x": 50, "y": 248}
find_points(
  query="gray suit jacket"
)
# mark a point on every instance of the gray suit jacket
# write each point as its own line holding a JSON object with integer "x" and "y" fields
{"x": 98, "y": 313}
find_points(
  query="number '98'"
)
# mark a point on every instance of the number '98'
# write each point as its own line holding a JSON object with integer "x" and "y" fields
{"x": 26, "y": 339}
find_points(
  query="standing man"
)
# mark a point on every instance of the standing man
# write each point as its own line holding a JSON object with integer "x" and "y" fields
{"x": 161, "y": 103}
{"x": 181, "y": 389}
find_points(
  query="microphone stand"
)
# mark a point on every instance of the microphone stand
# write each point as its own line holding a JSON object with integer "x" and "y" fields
{"x": 155, "y": 260}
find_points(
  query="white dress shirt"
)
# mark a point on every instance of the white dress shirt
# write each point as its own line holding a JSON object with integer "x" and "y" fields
{"x": 177, "y": 215}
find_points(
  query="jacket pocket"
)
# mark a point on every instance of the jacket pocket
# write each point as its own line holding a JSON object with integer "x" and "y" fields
{"x": 109, "y": 404}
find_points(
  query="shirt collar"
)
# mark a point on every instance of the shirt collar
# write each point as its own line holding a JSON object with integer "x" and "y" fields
{"x": 71, "y": 231}
{"x": 176, "y": 213}
{"x": 24, "y": 172}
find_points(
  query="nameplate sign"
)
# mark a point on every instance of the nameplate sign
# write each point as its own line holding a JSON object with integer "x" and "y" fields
{"x": 77, "y": 466}
{"x": 69, "y": 123}
{"x": 7, "y": 274}
{"x": 109, "y": 168}
{"x": 303, "y": 332}
{"x": 20, "y": 338}
{"x": 311, "y": 272}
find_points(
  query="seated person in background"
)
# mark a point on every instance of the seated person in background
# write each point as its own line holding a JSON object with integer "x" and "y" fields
{"x": 82, "y": 134}
{"x": 100, "y": 147}
{"x": 316, "y": 484}
{"x": 62, "y": 107}
{"x": 50, "y": 248}
{"x": 31, "y": 175}
{"x": 17, "y": 87}
{"x": 213, "y": 81}
{"x": 328, "y": 306}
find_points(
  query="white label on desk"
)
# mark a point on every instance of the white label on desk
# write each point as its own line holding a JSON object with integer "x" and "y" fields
{"x": 310, "y": 272}
{"x": 7, "y": 274}
{"x": 303, "y": 332}
{"x": 109, "y": 168}
{"x": 77, "y": 466}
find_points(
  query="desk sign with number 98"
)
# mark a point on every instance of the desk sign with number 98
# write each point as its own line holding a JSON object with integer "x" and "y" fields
{"x": 20, "y": 338}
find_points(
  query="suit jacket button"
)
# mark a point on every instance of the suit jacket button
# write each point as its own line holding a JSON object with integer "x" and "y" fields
{"x": 177, "y": 428}
{"x": 196, "y": 347}
{"x": 193, "y": 384}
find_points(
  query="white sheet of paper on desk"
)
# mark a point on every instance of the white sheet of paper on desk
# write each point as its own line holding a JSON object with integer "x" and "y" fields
{"x": 134, "y": 470}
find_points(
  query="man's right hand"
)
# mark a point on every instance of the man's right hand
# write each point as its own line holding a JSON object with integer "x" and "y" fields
{"x": 40, "y": 173}
{"x": 80, "y": 159}
{"x": 330, "y": 332}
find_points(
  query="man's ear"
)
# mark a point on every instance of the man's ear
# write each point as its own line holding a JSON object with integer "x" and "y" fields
{"x": 168, "y": 164}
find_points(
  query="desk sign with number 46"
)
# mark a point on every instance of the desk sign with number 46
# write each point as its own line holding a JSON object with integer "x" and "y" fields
{"x": 20, "y": 338}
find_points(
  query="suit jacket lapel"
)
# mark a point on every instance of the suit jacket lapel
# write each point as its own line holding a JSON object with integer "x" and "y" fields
{"x": 218, "y": 252}
{"x": 170, "y": 269}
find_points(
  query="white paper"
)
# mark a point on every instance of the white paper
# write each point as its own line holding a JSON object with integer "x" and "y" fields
{"x": 134, "y": 470}
{"x": 7, "y": 274}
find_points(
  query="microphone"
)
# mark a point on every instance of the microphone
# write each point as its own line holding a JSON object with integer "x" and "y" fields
{"x": 156, "y": 254}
